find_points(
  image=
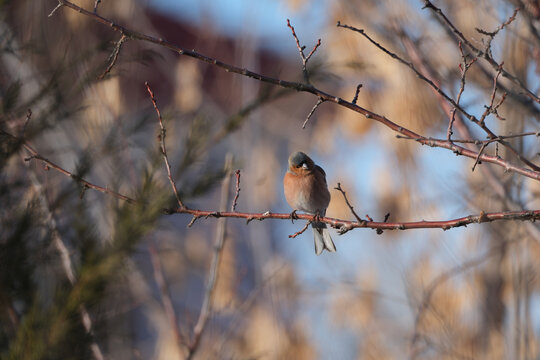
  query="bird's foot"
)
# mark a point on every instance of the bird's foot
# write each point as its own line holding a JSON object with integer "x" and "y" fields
{"x": 293, "y": 216}
{"x": 317, "y": 216}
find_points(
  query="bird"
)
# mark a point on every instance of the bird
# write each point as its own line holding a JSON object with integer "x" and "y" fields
{"x": 306, "y": 190}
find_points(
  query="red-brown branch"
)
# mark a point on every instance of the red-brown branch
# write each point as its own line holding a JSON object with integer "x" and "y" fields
{"x": 345, "y": 225}
{"x": 459, "y": 150}
{"x": 299, "y": 232}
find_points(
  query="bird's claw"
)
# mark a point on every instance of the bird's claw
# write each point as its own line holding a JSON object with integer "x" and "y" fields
{"x": 293, "y": 216}
{"x": 317, "y": 216}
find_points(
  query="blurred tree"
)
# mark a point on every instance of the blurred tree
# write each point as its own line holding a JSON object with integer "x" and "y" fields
{"x": 110, "y": 274}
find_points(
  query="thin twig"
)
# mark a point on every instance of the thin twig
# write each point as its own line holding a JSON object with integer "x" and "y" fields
{"x": 319, "y": 102}
{"x": 195, "y": 217}
{"x": 237, "y": 193}
{"x": 58, "y": 6}
{"x": 219, "y": 243}
{"x": 114, "y": 56}
{"x": 489, "y": 108}
{"x": 356, "y": 93}
{"x": 300, "y": 231}
{"x": 464, "y": 66}
{"x": 479, "y": 154}
{"x": 338, "y": 187}
{"x": 161, "y": 139}
{"x": 305, "y": 59}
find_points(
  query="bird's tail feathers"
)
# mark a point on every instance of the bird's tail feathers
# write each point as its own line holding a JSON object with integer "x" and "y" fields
{"x": 323, "y": 240}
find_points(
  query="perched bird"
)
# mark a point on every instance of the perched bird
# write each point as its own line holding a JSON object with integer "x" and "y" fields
{"x": 306, "y": 190}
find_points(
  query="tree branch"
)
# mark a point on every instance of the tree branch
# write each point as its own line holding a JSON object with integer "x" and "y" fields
{"x": 161, "y": 139}
{"x": 49, "y": 164}
{"x": 482, "y": 54}
{"x": 346, "y": 225}
{"x": 342, "y": 225}
{"x": 219, "y": 243}
{"x": 306, "y": 88}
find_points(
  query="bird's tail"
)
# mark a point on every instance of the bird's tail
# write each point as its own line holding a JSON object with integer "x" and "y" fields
{"x": 322, "y": 238}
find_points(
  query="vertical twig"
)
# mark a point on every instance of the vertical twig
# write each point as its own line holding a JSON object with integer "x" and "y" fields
{"x": 356, "y": 93}
{"x": 237, "y": 194}
{"x": 166, "y": 298}
{"x": 305, "y": 58}
{"x": 161, "y": 138}
{"x": 206, "y": 307}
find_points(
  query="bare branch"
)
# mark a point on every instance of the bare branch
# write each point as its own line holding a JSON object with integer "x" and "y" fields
{"x": 479, "y": 154}
{"x": 338, "y": 187}
{"x": 480, "y": 142}
{"x": 305, "y": 59}
{"x": 58, "y": 6}
{"x": 161, "y": 139}
{"x": 300, "y": 231}
{"x": 420, "y": 76}
{"x": 306, "y": 88}
{"x": 237, "y": 194}
{"x": 34, "y": 155}
{"x": 114, "y": 55}
{"x": 206, "y": 307}
{"x": 356, "y": 93}
{"x": 464, "y": 66}
{"x": 522, "y": 215}
{"x": 346, "y": 225}
{"x": 319, "y": 102}
{"x": 483, "y": 54}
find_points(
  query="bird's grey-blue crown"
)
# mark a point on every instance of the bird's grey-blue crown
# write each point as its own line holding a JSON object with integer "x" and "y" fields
{"x": 298, "y": 158}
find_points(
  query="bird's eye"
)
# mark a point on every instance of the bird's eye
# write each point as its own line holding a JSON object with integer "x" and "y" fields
{"x": 304, "y": 166}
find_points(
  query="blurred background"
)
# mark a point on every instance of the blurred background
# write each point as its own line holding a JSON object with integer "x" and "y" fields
{"x": 86, "y": 275}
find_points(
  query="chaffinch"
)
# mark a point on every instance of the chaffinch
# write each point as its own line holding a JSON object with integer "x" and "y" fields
{"x": 306, "y": 190}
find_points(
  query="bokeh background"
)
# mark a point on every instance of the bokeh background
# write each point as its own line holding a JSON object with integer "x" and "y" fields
{"x": 465, "y": 293}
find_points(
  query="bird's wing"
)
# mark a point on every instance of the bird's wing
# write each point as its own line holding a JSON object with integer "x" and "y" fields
{"x": 320, "y": 169}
